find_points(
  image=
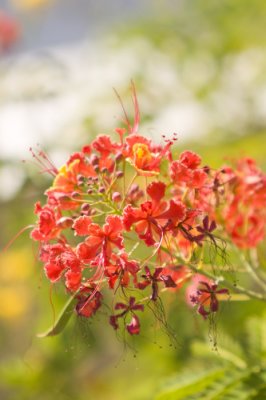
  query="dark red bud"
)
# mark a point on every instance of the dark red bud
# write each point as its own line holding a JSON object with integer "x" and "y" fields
{"x": 118, "y": 157}
{"x": 81, "y": 178}
{"x": 85, "y": 208}
{"x": 94, "y": 160}
{"x": 119, "y": 174}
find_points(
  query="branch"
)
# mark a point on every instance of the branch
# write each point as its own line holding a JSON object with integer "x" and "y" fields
{"x": 234, "y": 287}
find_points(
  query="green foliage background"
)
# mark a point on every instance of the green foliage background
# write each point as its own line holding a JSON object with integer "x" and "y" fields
{"x": 87, "y": 361}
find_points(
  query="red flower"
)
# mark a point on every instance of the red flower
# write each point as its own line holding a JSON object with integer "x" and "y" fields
{"x": 81, "y": 226}
{"x": 53, "y": 271}
{"x": 47, "y": 227}
{"x": 60, "y": 259}
{"x": 134, "y": 326}
{"x": 102, "y": 240}
{"x": 186, "y": 170}
{"x": 206, "y": 298}
{"x": 245, "y": 230}
{"x": 244, "y": 212}
{"x": 66, "y": 181}
{"x": 154, "y": 279}
{"x": 190, "y": 160}
{"x": 120, "y": 269}
{"x": 104, "y": 146}
{"x": 205, "y": 231}
{"x": 154, "y": 217}
{"x": 91, "y": 192}
{"x": 73, "y": 279}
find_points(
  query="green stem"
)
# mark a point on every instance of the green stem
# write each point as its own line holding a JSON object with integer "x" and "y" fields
{"x": 128, "y": 188}
{"x": 253, "y": 272}
{"x": 235, "y": 288}
{"x": 226, "y": 283}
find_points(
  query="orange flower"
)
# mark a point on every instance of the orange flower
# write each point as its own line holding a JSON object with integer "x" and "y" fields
{"x": 144, "y": 156}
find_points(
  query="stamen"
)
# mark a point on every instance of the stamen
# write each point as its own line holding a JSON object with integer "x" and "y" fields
{"x": 44, "y": 162}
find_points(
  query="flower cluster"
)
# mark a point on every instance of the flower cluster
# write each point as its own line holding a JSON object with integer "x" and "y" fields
{"x": 130, "y": 218}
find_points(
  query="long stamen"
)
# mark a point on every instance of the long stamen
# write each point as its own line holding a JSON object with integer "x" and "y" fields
{"x": 16, "y": 236}
{"x": 127, "y": 122}
{"x": 44, "y": 162}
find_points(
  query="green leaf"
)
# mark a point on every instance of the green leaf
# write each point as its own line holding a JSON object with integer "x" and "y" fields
{"x": 256, "y": 338}
{"x": 189, "y": 384}
{"x": 221, "y": 384}
{"x": 62, "y": 320}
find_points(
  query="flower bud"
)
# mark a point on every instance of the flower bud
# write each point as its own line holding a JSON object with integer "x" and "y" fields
{"x": 80, "y": 179}
{"x": 64, "y": 222}
{"x": 101, "y": 189}
{"x": 116, "y": 197}
{"x": 119, "y": 174}
{"x": 85, "y": 208}
{"x": 94, "y": 160}
{"x": 134, "y": 188}
{"x": 118, "y": 157}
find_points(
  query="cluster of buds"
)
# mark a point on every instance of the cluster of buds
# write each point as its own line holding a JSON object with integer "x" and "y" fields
{"x": 128, "y": 217}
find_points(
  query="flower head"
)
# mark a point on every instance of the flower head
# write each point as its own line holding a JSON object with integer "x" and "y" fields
{"x": 116, "y": 221}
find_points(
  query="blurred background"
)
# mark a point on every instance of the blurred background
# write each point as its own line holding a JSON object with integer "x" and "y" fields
{"x": 200, "y": 70}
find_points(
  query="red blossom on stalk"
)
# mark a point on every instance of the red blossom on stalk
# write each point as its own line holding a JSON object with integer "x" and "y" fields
{"x": 81, "y": 225}
{"x": 120, "y": 269}
{"x": 186, "y": 170}
{"x": 60, "y": 260}
{"x": 154, "y": 279}
{"x": 134, "y": 326}
{"x": 206, "y": 298}
{"x": 205, "y": 230}
{"x": 113, "y": 222}
{"x": 244, "y": 213}
{"x": 47, "y": 227}
{"x": 101, "y": 241}
{"x": 154, "y": 217}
